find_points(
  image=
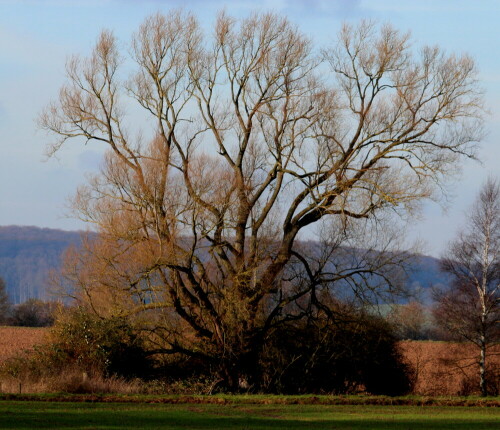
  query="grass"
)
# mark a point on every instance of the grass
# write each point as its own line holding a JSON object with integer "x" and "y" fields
{"x": 258, "y": 399}
{"x": 240, "y": 415}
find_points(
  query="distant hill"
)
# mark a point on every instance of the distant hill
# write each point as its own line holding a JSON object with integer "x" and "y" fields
{"x": 426, "y": 274}
{"x": 27, "y": 254}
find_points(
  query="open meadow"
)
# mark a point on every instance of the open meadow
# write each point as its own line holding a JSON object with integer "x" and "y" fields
{"x": 17, "y": 415}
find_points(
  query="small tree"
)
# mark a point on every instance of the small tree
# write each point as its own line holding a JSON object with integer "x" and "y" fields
{"x": 470, "y": 307}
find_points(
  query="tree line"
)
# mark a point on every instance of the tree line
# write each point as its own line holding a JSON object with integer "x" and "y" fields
{"x": 31, "y": 313}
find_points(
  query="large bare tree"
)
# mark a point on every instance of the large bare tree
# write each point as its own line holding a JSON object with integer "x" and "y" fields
{"x": 249, "y": 137}
{"x": 470, "y": 308}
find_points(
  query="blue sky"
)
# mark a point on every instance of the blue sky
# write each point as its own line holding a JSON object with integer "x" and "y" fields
{"x": 37, "y": 36}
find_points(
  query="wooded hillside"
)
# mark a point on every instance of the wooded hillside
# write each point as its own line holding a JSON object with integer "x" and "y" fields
{"x": 27, "y": 254}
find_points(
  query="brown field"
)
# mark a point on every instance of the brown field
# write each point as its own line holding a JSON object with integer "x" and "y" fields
{"x": 440, "y": 368}
{"x": 14, "y": 340}
{"x": 449, "y": 368}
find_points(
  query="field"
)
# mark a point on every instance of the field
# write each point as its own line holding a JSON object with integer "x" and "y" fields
{"x": 448, "y": 368}
{"x": 48, "y": 415}
{"x": 16, "y": 339}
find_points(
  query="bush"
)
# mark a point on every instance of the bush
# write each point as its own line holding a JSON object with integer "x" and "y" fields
{"x": 83, "y": 349}
{"x": 110, "y": 346}
{"x": 34, "y": 313}
{"x": 88, "y": 353}
{"x": 334, "y": 357}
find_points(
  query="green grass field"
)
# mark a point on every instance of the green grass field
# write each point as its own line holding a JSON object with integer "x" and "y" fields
{"x": 68, "y": 415}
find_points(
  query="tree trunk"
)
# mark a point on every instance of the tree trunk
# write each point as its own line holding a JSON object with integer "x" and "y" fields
{"x": 240, "y": 371}
{"x": 482, "y": 369}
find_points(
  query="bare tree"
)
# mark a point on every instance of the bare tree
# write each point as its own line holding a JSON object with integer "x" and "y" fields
{"x": 410, "y": 321}
{"x": 470, "y": 308}
{"x": 253, "y": 138}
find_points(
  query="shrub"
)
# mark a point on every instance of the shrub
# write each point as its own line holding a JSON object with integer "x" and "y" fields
{"x": 34, "y": 313}
{"x": 107, "y": 345}
{"x": 86, "y": 349}
{"x": 87, "y": 353}
{"x": 319, "y": 356}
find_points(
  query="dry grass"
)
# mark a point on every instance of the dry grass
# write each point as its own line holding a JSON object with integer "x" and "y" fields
{"x": 14, "y": 340}
{"x": 69, "y": 381}
{"x": 448, "y": 368}
{"x": 18, "y": 376}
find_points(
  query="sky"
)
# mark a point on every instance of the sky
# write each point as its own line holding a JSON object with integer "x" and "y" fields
{"x": 36, "y": 37}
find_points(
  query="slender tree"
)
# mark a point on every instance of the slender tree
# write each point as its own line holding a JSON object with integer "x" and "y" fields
{"x": 251, "y": 138}
{"x": 470, "y": 308}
